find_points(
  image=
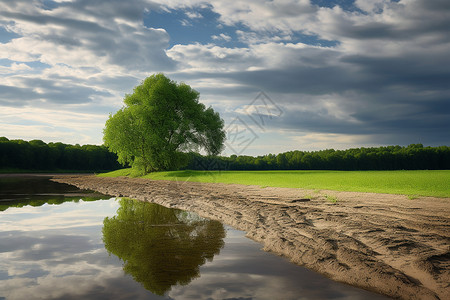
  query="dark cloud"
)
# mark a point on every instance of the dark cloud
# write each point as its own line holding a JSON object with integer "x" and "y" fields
{"x": 409, "y": 121}
{"x": 308, "y": 80}
{"x": 436, "y": 5}
{"x": 407, "y": 21}
{"x": 49, "y": 90}
{"x": 129, "y": 10}
{"x": 134, "y": 47}
{"x": 43, "y": 19}
{"x": 400, "y": 129}
{"x": 16, "y": 96}
{"x": 416, "y": 71}
{"x": 400, "y": 99}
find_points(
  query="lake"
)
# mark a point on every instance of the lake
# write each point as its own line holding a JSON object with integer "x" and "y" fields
{"x": 59, "y": 242}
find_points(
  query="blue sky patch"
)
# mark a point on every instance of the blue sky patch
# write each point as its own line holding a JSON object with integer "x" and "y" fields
{"x": 6, "y": 36}
{"x": 37, "y": 65}
{"x": 49, "y": 4}
{"x": 198, "y": 24}
{"x": 348, "y": 5}
{"x": 5, "y": 62}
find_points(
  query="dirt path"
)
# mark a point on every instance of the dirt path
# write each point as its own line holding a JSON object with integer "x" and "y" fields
{"x": 384, "y": 243}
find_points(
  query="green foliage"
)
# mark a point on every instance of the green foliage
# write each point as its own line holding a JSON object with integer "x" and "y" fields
{"x": 159, "y": 122}
{"x": 128, "y": 172}
{"x": 412, "y": 157}
{"x": 56, "y": 200}
{"x": 36, "y": 155}
{"x": 161, "y": 247}
{"x": 331, "y": 199}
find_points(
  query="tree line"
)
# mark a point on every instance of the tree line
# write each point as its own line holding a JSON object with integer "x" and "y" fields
{"x": 38, "y": 155}
{"x": 412, "y": 157}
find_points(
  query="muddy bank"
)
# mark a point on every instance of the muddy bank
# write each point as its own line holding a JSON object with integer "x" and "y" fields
{"x": 384, "y": 243}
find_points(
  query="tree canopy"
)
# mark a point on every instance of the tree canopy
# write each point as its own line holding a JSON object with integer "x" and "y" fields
{"x": 412, "y": 157}
{"x": 159, "y": 122}
{"x": 161, "y": 247}
{"x": 40, "y": 156}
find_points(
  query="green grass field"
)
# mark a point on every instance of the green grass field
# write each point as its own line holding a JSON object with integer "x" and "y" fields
{"x": 412, "y": 183}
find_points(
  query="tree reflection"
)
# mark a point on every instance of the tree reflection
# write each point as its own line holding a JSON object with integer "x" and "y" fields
{"x": 36, "y": 191}
{"x": 161, "y": 247}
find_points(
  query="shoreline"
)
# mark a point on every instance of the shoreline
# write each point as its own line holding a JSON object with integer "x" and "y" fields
{"x": 384, "y": 243}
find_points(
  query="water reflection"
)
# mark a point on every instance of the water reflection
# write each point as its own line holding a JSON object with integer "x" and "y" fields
{"x": 37, "y": 190}
{"x": 58, "y": 252}
{"x": 161, "y": 247}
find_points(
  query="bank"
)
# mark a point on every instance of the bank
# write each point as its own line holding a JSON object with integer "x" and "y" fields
{"x": 389, "y": 244}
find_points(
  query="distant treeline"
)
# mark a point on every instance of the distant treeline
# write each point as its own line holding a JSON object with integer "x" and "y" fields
{"x": 412, "y": 157}
{"x": 37, "y": 155}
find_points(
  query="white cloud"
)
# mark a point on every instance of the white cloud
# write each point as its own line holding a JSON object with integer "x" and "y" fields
{"x": 320, "y": 141}
{"x": 185, "y": 23}
{"x": 221, "y": 36}
{"x": 15, "y": 68}
{"x": 198, "y": 57}
{"x": 52, "y": 125}
{"x": 193, "y": 15}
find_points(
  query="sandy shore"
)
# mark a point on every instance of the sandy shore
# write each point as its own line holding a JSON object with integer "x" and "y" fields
{"x": 384, "y": 243}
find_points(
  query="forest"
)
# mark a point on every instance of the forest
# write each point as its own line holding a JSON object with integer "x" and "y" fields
{"x": 40, "y": 156}
{"x": 412, "y": 157}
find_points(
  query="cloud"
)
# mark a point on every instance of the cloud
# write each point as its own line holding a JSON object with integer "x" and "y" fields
{"x": 27, "y": 89}
{"x": 14, "y": 68}
{"x": 77, "y": 55}
{"x": 386, "y": 76}
{"x": 82, "y": 34}
{"x": 221, "y": 36}
{"x": 200, "y": 58}
{"x": 61, "y": 258}
{"x": 372, "y": 68}
{"x": 53, "y": 124}
{"x": 194, "y": 15}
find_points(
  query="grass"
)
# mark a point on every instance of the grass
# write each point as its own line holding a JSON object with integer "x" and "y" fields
{"x": 413, "y": 183}
{"x": 331, "y": 199}
{"x": 122, "y": 172}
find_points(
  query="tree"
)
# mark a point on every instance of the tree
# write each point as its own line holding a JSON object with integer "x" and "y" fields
{"x": 159, "y": 123}
{"x": 161, "y": 247}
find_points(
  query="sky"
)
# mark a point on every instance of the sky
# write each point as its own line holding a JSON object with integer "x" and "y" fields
{"x": 283, "y": 74}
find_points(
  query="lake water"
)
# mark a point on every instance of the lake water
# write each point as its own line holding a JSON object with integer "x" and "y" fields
{"x": 58, "y": 242}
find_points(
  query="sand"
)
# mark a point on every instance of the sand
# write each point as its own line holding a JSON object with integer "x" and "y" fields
{"x": 384, "y": 243}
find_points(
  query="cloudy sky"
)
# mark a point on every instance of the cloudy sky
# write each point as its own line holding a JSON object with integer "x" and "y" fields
{"x": 284, "y": 74}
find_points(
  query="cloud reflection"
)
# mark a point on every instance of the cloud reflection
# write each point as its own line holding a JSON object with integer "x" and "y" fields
{"x": 53, "y": 259}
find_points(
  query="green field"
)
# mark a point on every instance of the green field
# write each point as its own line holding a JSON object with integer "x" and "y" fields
{"x": 413, "y": 183}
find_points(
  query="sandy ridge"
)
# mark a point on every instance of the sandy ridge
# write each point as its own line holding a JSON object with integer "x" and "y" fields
{"x": 385, "y": 243}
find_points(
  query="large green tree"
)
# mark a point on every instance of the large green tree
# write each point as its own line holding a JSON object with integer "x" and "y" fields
{"x": 160, "y": 121}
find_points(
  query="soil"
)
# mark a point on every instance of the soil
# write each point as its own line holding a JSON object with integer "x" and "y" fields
{"x": 385, "y": 243}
